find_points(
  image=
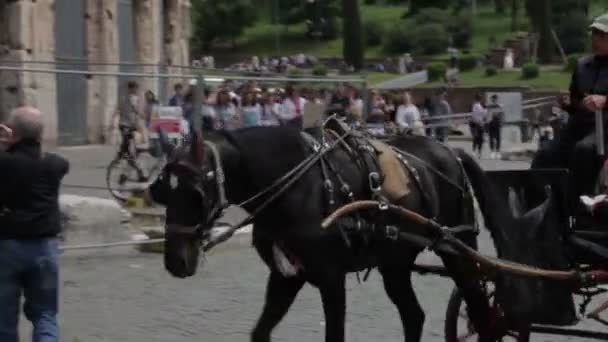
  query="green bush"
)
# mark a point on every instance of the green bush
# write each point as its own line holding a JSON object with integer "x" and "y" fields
{"x": 491, "y": 70}
{"x": 370, "y": 2}
{"x": 400, "y": 39}
{"x": 319, "y": 70}
{"x": 461, "y": 29}
{"x": 295, "y": 72}
{"x": 431, "y": 39}
{"x": 530, "y": 70}
{"x": 573, "y": 61}
{"x": 467, "y": 62}
{"x": 331, "y": 29}
{"x": 436, "y": 71}
{"x": 432, "y": 15}
{"x": 374, "y": 31}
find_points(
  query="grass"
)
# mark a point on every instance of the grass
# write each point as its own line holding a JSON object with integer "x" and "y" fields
{"x": 261, "y": 39}
{"x": 548, "y": 80}
{"x": 374, "y": 78}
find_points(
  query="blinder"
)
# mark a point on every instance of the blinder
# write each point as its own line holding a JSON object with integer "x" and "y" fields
{"x": 212, "y": 205}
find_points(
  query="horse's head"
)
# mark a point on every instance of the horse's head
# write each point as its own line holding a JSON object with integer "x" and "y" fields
{"x": 191, "y": 188}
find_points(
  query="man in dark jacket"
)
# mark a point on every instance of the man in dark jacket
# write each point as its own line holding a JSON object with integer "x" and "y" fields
{"x": 29, "y": 225}
{"x": 575, "y": 146}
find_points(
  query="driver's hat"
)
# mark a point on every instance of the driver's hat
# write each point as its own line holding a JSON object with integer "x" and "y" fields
{"x": 600, "y": 23}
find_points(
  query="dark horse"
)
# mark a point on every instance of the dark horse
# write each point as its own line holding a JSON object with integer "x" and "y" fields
{"x": 202, "y": 178}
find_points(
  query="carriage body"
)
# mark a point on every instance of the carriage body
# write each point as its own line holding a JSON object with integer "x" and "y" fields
{"x": 560, "y": 241}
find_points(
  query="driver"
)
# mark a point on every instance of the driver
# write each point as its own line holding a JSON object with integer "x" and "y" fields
{"x": 575, "y": 146}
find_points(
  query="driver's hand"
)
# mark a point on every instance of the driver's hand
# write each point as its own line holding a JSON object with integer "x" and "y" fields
{"x": 564, "y": 100}
{"x": 594, "y": 102}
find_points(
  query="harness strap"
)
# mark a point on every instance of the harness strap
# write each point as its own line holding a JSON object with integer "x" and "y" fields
{"x": 220, "y": 178}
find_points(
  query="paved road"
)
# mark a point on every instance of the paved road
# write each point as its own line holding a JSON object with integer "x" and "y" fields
{"x": 121, "y": 295}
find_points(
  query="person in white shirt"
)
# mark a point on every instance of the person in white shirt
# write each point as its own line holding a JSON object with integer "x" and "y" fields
{"x": 251, "y": 111}
{"x": 408, "y": 115}
{"x": 224, "y": 113}
{"x": 477, "y": 124}
{"x": 270, "y": 110}
{"x": 356, "y": 105}
{"x": 292, "y": 108}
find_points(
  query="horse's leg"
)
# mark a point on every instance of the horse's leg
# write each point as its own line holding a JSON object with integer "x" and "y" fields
{"x": 280, "y": 294}
{"x": 465, "y": 276}
{"x": 398, "y": 286}
{"x": 333, "y": 295}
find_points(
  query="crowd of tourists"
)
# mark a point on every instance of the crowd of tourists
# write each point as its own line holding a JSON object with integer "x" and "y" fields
{"x": 232, "y": 107}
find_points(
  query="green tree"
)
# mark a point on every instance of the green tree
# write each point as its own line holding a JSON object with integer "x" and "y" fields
{"x": 417, "y": 5}
{"x": 540, "y": 14}
{"x": 353, "y": 49}
{"x": 220, "y": 21}
{"x": 515, "y": 4}
{"x": 558, "y": 15}
{"x": 500, "y": 7}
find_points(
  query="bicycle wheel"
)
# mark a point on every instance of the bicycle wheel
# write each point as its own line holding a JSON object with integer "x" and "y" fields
{"x": 120, "y": 175}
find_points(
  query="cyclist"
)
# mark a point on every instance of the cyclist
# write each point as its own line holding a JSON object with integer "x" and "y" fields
{"x": 128, "y": 123}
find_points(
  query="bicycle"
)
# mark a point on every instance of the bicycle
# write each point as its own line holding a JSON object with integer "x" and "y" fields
{"x": 129, "y": 167}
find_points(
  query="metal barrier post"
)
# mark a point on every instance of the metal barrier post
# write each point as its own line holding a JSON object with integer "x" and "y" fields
{"x": 599, "y": 132}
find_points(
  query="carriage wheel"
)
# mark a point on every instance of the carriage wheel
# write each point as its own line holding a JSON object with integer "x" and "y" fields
{"x": 459, "y": 328}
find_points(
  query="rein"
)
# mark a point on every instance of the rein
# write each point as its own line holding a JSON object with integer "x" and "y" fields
{"x": 283, "y": 183}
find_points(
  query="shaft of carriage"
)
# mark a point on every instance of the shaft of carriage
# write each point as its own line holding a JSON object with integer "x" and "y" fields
{"x": 437, "y": 237}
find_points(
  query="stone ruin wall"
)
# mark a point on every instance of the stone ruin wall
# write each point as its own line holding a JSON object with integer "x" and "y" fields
{"x": 27, "y": 33}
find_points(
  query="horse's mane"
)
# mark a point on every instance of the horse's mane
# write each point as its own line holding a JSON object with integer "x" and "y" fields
{"x": 254, "y": 142}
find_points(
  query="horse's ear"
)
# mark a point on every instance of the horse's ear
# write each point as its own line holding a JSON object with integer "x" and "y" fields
{"x": 515, "y": 204}
{"x": 196, "y": 149}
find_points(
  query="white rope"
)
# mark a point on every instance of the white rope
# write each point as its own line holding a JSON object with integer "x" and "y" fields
{"x": 213, "y": 78}
{"x": 111, "y": 244}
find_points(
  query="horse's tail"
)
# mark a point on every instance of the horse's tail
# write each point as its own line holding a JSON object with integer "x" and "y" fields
{"x": 489, "y": 203}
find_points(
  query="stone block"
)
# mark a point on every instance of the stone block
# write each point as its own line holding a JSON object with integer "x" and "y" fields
{"x": 20, "y": 25}
{"x": 512, "y": 135}
{"x": 92, "y": 220}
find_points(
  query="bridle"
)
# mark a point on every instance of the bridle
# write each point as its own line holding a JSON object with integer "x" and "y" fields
{"x": 280, "y": 185}
{"x": 218, "y": 175}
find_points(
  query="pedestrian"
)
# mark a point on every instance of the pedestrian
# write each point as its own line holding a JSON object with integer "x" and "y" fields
{"x": 408, "y": 116}
{"x": 496, "y": 114}
{"x": 270, "y": 110}
{"x": 227, "y": 115}
{"x": 29, "y": 226}
{"x": 442, "y": 108}
{"x": 177, "y": 100}
{"x": 250, "y": 110}
{"x": 477, "y": 124}
{"x": 292, "y": 110}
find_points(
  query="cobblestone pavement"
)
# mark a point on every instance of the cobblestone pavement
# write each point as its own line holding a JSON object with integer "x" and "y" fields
{"x": 123, "y": 295}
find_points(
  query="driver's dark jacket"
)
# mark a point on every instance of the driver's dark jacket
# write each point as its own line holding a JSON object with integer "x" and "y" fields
{"x": 589, "y": 78}
{"x": 29, "y": 192}
{"x": 574, "y": 146}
